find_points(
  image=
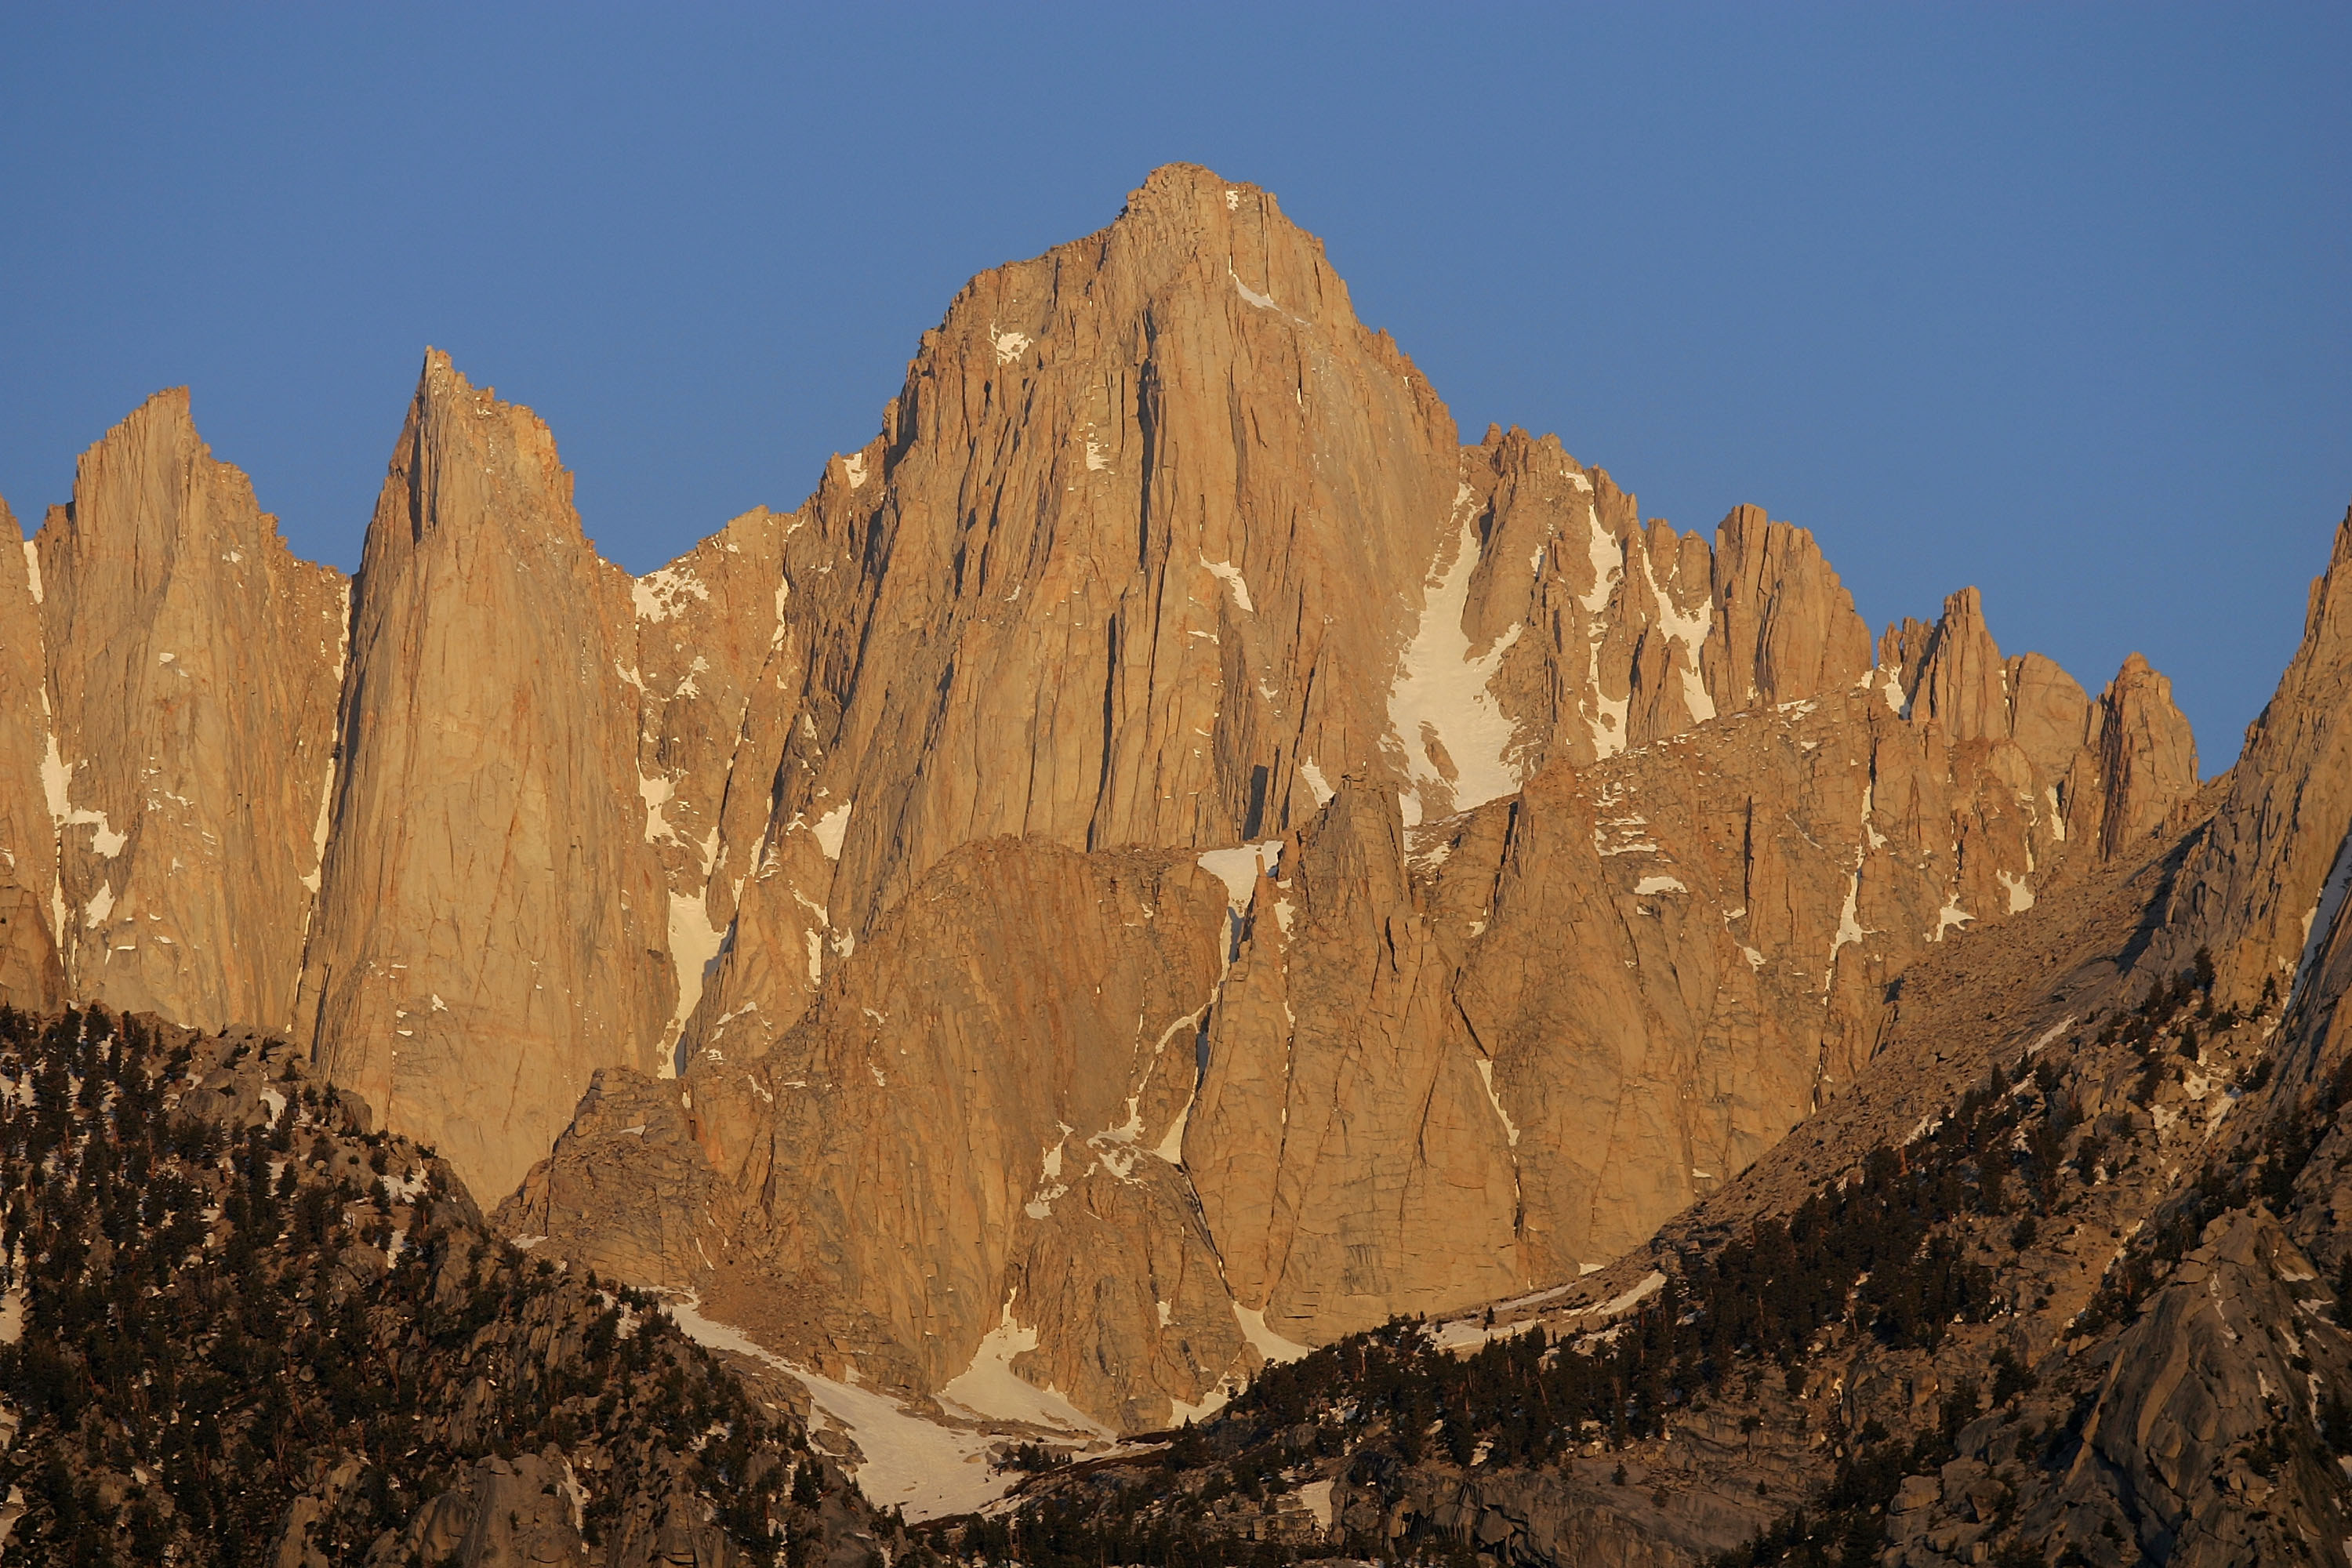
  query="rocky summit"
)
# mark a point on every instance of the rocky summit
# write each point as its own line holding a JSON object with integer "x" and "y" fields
{"x": 1174, "y": 894}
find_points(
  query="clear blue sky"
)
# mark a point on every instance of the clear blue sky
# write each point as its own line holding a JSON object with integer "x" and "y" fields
{"x": 2052, "y": 300}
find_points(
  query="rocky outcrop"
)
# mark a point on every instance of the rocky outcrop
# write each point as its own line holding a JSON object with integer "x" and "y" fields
{"x": 2111, "y": 771}
{"x": 1480, "y": 1065}
{"x": 976, "y": 1129}
{"x": 493, "y": 924}
{"x": 2262, "y": 887}
{"x": 2201, "y": 1382}
{"x": 1606, "y": 633}
{"x": 2106, "y": 1323}
{"x": 1436, "y": 1065}
{"x": 1350, "y": 871}
{"x": 188, "y": 671}
{"x": 32, "y": 973}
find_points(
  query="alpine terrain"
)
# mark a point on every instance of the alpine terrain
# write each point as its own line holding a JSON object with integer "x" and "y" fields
{"x": 1177, "y": 966}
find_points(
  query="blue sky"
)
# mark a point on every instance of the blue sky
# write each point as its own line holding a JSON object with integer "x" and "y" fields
{"x": 2056, "y": 300}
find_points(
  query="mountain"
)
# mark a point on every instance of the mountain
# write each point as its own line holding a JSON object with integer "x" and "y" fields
{"x": 2062, "y": 1278}
{"x": 1167, "y": 858}
{"x": 241, "y": 1326}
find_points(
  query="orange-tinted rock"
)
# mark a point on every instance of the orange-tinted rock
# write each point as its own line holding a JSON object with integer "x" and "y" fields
{"x": 1593, "y": 850}
{"x": 191, "y": 667}
{"x": 493, "y": 926}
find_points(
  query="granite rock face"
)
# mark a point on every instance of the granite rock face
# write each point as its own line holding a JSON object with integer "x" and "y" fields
{"x": 1382, "y": 1069}
{"x": 2121, "y": 1171}
{"x": 1166, "y": 856}
{"x": 2263, "y": 886}
{"x": 492, "y": 923}
{"x": 167, "y": 698}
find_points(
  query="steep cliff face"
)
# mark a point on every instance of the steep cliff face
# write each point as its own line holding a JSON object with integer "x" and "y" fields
{"x": 2111, "y": 770}
{"x": 1386, "y": 1069}
{"x": 2263, "y": 884}
{"x": 1160, "y": 542}
{"x": 181, "y": 729}
{"x": 1602, "y": 631}
{"x": 32, "y": 973}
{"x": 2062, "y": 1277}
{"x": 1164, "y": 856}
{"x": 493, "y": 924}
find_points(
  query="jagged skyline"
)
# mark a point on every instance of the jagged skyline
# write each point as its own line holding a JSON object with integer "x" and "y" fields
{"x": 2092, "y": 262}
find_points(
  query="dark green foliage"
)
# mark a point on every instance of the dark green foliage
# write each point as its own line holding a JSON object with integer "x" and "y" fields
{"x": 232, "y": 1335}
{"x": 2009, "y": 1376}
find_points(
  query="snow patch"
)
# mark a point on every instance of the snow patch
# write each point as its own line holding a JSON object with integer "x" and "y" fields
{"x": 929, "y": 1469}
{"x": 1850, "y": 927}
{"x": 853, "y": 468}
{"x": 661, "y": 594}
{"x": 832, "y": 827}
{"x": 319, "y": 828}
{"x": 1009, "y": 346}
{"x": 1487, "y": 1077}
{"x": 1608, "y": 560}
{"x": 1439, "y": 700}
{"x": 1240, "y": 867}
{"x": 1316, "y": 784}
{"x": 1652, "y": 1283}
{"x": 1649, "y": 885}
{"x": 1950, "y": 915}
{"x": 1263, "y": 301}
{"x": 1263, "y": 1340}
{"x": 1228, "y": 573}
{"x": 656, "y": 793}
{"x": 56, "y": 779}
{"x": 1050, "y": 1170}
{"x": 989, "y": 1387}
{"x": 2050, "y": 1033}
{"x": 1171, "y": 1148}
{"x": 1688, "y": 633}
{"x": 694, "y": 945}
{"x": 33, "y": 569}
{"x": 2021, "y": 896}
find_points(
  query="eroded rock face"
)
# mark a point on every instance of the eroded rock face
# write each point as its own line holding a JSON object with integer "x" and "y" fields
{"x": 177, "y": 719}
{"x": 32, "y": 973}
{"x": 2113, "y": 770}
{"x": 1160, "y": 542}
{"x": 492, "y": 925}
{"x": 2262, "y": 887}
{"x": 980, "y": 1122}
{"x": 1383, "y": 1069}
{"x": 1580, "y": 856}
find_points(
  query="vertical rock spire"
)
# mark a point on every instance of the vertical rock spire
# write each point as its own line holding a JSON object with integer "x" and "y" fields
{"x": 492, "y": 925}
{"x": 190, "y": 667}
